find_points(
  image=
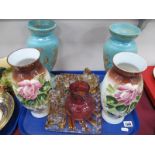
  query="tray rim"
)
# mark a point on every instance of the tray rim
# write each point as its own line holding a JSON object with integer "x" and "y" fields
{"x": 23, "y": 132}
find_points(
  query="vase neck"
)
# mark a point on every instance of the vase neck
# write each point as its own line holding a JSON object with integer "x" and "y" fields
{"x": 41, "y": 27}
{"x": 41, "y": 33}
{"x": 129, "y": 64}
{"x": 124, "y": 32}
{"x": 121, "y": 39}
{"x": 28, "y": 72}
{"x": 124, "y": 73}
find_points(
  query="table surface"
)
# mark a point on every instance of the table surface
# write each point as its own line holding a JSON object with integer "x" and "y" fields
{"x": 146, "y": 115}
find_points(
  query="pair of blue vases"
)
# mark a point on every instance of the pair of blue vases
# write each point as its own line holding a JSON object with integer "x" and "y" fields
{"x": 43, "y": 38}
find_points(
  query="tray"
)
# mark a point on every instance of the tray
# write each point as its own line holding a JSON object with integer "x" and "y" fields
{"x": 32, "y": 126}
{"x": 12, "y": 124}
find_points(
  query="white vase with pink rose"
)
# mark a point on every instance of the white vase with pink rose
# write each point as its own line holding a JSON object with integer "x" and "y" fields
{"x": 30, "y": 80}
{"x": 122, "y": 86}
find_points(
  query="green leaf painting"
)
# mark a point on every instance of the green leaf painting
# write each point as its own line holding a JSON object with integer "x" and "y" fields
{"x": 137, "y": 98}
{"x": 110, "y": 106}
{"x": 121, "y": 107}
{"x": 110, "y": 89}
{"x": 111, "y": 100}
{"x": 133, "y": 105}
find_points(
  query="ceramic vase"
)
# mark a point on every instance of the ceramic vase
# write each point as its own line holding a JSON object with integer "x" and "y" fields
{"x": 43, "y": 38}
{"x": 122, "y": 39}
{"x": 122, "y": 86}
{"x": 30, "y": 80}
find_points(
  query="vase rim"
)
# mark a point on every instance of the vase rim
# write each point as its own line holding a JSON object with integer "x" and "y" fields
{"x": 41, "y": 25}
{"x": 124, "y": 29}
{"x": 16, "y": 56}
{"x": 131, "y": 59}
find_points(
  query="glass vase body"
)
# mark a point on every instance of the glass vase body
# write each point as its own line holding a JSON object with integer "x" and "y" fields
{"x": 43, "y": 38}
{"x": 121, "y": 40}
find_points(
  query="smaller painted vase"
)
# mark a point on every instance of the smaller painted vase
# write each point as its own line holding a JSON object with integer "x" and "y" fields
{"x": 44, "y": 40}
{"x": 121, "y": 40}
{"x": 79, "y": 104}
{"x": 122, "y": 86}
{"x": 30, "y": 80}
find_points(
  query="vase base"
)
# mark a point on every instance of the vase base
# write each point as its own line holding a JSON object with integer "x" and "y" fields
{"x": 39, "y": 115}
{"x": 111, "y": 119}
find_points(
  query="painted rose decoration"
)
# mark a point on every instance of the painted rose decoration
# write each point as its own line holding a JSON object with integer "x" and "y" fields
{"x": 127, "y": 93}
{"x": 122, "y": 98}
{"x": 29, "y": 89}
{"x": 33, "y": 93}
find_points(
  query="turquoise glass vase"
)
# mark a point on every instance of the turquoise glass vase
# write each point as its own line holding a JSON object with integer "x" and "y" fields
{"x": 121, "y": 40}
{"x": 43, "y": 38}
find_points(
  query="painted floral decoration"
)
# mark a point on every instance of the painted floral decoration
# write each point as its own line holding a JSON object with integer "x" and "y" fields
{"x": 127, "y": 93}
{"x": 29, "y": 89}
{"x": 122, "y": 98}
{"x": 33, "y": 93}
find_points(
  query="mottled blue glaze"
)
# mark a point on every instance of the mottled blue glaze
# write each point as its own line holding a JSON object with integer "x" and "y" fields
{"x": 121, "y": 40}
{"x": 43, "y": 38}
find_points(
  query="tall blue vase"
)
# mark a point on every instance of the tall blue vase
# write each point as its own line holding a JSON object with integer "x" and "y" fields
{"x": 43, "y": 38}
{"x": 121, "y": 40}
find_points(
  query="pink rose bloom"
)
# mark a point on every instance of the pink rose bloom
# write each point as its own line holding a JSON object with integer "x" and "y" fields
{"x": 127, "y": 93}
{"x": 28, "y": 89}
